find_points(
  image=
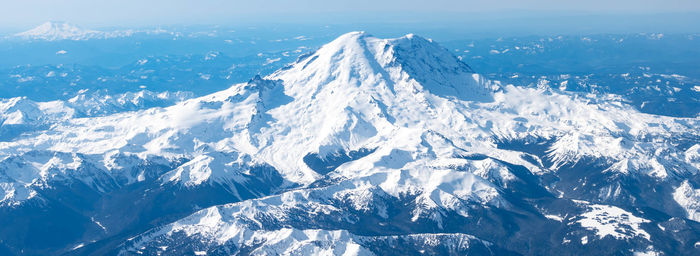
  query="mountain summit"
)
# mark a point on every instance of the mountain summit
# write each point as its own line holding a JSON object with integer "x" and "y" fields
{"x": 412, "y": 60}
{"x": 364, "y": 146}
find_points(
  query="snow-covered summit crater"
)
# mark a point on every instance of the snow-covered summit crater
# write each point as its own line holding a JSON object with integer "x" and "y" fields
{"x": 355, "y": 57}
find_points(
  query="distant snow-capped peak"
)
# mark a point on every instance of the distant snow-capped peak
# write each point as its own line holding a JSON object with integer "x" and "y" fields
{"x": 52, "y": 31}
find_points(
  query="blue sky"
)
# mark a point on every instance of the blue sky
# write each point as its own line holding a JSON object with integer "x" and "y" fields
{"x": 23, "y": 13}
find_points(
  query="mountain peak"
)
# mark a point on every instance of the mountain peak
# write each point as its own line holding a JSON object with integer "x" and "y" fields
{"x": 58, "y": 31}
{"x": 364, "y": 132}
{"x": 410, "y": 58}
{"x": 52, "y": 31}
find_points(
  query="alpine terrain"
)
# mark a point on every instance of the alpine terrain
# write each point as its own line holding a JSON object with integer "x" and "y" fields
{"x": 366, "y": 146}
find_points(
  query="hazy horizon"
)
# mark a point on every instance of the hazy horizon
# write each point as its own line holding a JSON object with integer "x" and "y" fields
{"x": 447, "y": 27}
{"x": 548, "y": 16}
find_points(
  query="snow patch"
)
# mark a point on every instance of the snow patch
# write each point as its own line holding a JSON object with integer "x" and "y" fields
{"x": 612, "y": 221}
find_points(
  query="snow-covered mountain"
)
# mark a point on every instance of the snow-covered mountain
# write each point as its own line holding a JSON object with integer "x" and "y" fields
{"x": 365, "y": 146}
{"x": 52, "y": 31}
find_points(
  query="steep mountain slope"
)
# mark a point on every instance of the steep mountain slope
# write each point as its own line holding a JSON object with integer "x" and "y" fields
{"x": 362, "y": 147}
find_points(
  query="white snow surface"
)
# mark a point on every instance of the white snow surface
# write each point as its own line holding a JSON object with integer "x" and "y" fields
{"x": 607, "y": 220}
{"x": 689, "y": 198}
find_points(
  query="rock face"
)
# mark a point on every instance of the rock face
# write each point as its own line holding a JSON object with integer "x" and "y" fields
{"x": 365, "y": 146}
